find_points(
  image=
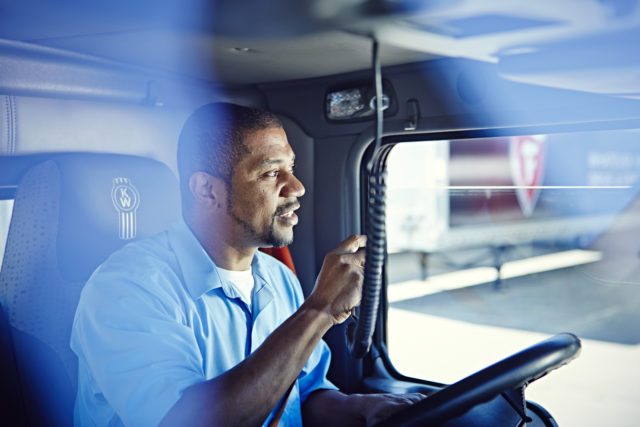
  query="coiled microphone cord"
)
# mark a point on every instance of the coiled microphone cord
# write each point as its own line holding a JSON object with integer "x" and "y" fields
{"x": 360, "y": 333}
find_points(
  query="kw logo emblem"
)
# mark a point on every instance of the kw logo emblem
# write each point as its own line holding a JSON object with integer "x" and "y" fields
{"x": 126, "y": 200}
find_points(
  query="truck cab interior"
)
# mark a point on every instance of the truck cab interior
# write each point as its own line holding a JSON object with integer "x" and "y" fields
{"x": 492, "y": 150}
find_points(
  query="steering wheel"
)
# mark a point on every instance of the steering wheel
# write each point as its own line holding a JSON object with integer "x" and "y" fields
{"x": 515, "y": 371}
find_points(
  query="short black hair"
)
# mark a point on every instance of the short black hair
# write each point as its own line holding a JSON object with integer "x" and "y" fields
{"x": 212, "y": 140}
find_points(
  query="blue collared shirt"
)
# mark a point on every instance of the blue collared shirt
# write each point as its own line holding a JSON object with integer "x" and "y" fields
{"x": 156, "y": 318}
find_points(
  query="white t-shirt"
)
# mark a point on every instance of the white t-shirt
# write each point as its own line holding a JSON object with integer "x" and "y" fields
{"x": 242, "y": 281}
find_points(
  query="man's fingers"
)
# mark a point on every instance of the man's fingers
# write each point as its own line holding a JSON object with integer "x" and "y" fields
{"x": 352, "y": 243}
{"x": 408, "y": 398}
{"x": 385, "y": 405}
{"x": 356, "y": 258}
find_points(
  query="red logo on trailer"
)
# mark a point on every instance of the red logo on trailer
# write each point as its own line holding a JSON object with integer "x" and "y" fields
{"x": 526, "y": 156}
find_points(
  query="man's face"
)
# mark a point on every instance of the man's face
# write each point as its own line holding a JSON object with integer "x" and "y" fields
{"x": 264, "y": 191}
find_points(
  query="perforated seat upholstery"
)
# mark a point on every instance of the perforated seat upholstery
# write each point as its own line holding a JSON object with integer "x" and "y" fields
{"x": 69, "y": 214}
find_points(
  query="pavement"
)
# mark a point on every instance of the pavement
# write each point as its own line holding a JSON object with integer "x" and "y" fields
{"x": 446, "y": 335}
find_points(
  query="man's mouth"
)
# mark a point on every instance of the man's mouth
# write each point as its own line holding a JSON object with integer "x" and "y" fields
{"x": 286, "y": 213}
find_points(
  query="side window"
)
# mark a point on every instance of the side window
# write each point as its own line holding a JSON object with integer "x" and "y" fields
{"x": 497, "y": 243}
{"x": 6, "y": 207}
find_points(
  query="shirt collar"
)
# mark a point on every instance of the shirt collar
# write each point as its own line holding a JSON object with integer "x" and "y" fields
{"x": 198, "y": 270}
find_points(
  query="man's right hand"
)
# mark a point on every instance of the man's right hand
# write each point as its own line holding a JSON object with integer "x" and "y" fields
{"x": 338, "y": 287}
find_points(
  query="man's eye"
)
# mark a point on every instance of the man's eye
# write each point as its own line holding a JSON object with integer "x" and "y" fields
{"x": 272, "y": 173}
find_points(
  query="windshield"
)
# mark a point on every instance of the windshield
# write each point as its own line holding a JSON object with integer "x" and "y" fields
{"x": 497, "y": 243}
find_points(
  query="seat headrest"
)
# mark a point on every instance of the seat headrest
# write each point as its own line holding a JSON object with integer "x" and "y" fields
{"x": 91, "y": 204}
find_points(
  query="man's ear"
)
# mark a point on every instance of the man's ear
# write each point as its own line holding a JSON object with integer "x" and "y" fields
{"x": 208, "y": 190}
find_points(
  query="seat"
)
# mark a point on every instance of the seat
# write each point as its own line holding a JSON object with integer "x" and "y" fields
{"x": 283, "y": 255}
{"x": 70, "y": 213}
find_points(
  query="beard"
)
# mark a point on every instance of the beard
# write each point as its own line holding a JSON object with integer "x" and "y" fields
{"x": 271, "y": 237}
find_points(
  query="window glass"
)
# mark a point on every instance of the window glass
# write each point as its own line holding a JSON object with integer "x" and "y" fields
{"x": 6, "y": 207}
{"x": 498, "y": 243}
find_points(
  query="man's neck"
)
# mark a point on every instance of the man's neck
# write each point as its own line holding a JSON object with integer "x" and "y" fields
{"x": 223, "y": 254}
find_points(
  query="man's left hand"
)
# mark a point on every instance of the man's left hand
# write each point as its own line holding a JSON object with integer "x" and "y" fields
{"x": 331, "y": 407}
{"x": 377, "y": 407}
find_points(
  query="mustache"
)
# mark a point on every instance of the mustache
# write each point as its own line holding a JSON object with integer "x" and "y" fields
{"x": 287, "y": 207}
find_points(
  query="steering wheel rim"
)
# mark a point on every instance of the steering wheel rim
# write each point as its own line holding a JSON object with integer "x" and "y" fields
{"x": 512, "y": 372}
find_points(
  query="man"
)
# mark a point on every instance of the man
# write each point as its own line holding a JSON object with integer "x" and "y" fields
{"x": 194, "y": 326}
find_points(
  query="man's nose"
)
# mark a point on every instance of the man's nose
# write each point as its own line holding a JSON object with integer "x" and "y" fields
{"x": 293, "y": 187}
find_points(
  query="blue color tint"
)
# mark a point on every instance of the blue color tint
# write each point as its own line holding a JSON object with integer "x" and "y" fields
{"x": 156, "y": 318}
{"x": 487, "y": 24}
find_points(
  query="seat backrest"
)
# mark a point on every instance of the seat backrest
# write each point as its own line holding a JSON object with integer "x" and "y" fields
{"x": 69, "y": 214}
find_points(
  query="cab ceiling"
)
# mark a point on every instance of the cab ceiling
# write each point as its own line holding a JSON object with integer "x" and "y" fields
{"x": 293, "y": 39}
